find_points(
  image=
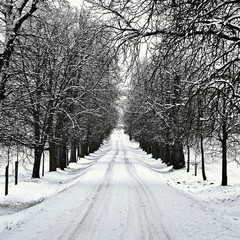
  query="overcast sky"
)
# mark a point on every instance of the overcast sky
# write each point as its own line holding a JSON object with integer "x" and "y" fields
{"x": 75, "y": 3}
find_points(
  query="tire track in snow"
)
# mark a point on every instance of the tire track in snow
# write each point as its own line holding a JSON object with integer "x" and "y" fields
{"x": 95, "y": 206}
{"x": 146, "y": 232}
{"x": 150, "y": 207}
{"x": 142, "y": 209}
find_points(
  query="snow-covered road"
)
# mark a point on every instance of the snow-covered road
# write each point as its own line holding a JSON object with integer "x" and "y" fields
{"x": 120, "y": 198}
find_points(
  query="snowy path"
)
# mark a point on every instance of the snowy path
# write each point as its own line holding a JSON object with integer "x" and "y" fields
{"x": 118, "y": 198}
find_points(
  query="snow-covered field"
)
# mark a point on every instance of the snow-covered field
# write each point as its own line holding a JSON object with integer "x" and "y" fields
{"x": 120, "y": 192}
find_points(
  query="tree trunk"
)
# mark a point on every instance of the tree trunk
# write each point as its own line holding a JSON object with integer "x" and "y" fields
{"x": 178, "y": 155}
{"x": 37, "y": 161}
{"x": 142, "y": 145}
{"x": 73, "y": 156}
{"x": 224, "y": 155}
{"x": 155, "y": 150}
{"x": 78, "y": 151}
{"x": 38, "y": 148}
{"x": 188, "y": 161}
{"x": 148, "y": 148}
{"x": 64, "y": 155}
{"x": 168, "y": 154}
{"x": 84, "y": 149}
{"x": 130, "y": 136}
{"x": 195, "y": 165}
{"x": 52, "y": 156}
{"x": 60, "y": 139}
{"x": 203, "y": 159}
{"x": 91, "y": 147}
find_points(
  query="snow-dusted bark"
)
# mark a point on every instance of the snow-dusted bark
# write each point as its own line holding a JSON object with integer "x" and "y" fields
{"x": 13, "y": 15}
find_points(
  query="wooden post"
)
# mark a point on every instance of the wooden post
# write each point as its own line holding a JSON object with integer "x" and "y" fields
{"x": 6, "y": 180}
{"x": 188, "y": 161}
{"x": 16, "y": 172}
{"x": 16, "y": 169}
{"x": 43, "y": 162}
{"x": 7, "y": 173}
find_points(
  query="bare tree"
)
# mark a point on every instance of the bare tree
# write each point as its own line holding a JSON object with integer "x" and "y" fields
{"x": 12, "y": 16}
{"x": 205, "y": 36}
{"x": 61, "y": 89}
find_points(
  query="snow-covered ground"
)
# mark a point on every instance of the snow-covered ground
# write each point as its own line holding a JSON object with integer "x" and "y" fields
{"x": 224, "y": 200}
{"x": 120, "y": 192}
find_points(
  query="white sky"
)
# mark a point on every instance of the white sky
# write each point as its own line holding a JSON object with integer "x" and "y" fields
{"x": 75, "y": 3}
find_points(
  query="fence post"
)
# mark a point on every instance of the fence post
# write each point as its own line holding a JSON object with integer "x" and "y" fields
{"x": 43, "y": 159}
{"x": 6, "y": 180}
{"x": 16, "y": 172}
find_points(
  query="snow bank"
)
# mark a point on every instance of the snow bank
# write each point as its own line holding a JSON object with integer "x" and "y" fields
{"x": 30, "y": 191}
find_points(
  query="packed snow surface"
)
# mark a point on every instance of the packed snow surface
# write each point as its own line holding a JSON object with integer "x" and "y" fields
{"x": 117, "y": 193}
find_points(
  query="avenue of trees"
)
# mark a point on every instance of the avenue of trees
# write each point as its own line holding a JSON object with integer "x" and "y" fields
{"x": 59, "y": 72}
{"x": 185, "y": 91}
{"x": 58, "y": 75}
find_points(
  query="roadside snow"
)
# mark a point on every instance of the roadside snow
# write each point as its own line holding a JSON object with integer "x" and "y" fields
{"x": 30, "y": 191}
{"x": 223, "y": 199}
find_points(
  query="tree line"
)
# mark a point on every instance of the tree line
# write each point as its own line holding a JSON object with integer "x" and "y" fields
{"x": 185, "y": 92}
{"x": 58, "y": 73}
